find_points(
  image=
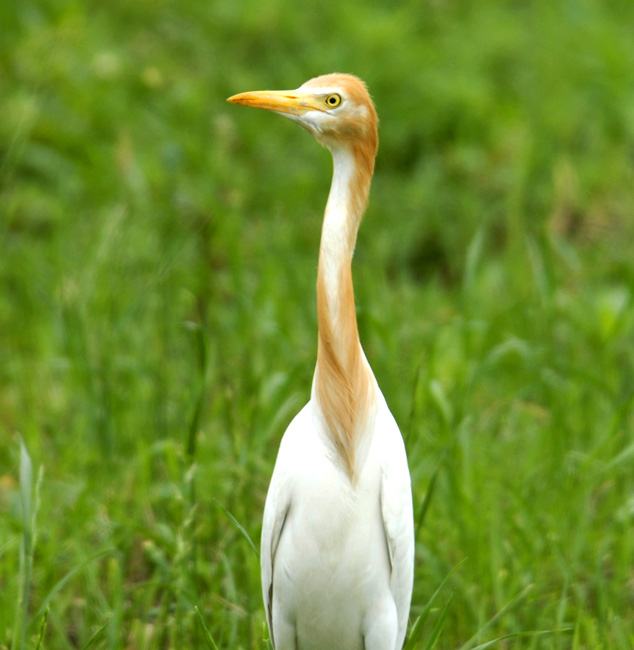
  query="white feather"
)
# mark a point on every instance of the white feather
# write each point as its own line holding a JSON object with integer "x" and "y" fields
{"x": 337, "y": 558}
{"x": 337, "y": 539}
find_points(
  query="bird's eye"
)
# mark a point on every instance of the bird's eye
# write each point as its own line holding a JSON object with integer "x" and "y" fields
{"x": 333, "y": 100}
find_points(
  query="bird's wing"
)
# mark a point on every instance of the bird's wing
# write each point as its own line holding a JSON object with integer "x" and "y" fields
{"x": 278, "y": 503}
{"x": 398, "y": 522}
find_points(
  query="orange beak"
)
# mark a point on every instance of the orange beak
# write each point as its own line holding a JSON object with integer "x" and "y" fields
{"x": 293, "y": 102}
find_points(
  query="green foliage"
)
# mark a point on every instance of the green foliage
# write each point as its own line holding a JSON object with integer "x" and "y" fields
{"x": 157, "y": 321}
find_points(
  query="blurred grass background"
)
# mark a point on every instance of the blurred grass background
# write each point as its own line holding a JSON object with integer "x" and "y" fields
{"x": 158, "y": 252}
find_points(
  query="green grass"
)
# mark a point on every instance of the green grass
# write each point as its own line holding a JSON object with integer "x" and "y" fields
{"x": 157, "y": 321}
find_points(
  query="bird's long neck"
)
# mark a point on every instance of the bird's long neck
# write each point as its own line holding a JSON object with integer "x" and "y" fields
{"x": 344, "y": 383}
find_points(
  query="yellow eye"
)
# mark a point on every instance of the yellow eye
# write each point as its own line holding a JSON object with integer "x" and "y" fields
{"x": 333, "y": 100}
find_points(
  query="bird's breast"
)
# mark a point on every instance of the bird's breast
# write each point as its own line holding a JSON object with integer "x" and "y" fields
{"x": 333, "y": 540}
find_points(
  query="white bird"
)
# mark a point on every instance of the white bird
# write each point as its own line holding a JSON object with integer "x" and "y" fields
{"x": 337, "y": 548}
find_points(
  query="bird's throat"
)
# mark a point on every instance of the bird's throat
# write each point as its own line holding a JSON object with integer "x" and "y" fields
{"x": 343, "y": 380}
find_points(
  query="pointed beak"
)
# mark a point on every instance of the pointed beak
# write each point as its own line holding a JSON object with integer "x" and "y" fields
{"x": 293, "y": 102}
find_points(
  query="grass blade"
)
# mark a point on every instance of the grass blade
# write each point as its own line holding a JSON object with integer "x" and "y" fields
{"x": 417, "y": 628}
{"x": 413, "y": 409}
{"x": 198, "y": 335}
{"x": 97, "y": 635}
{"x": 467, "y": 645}
{"x": 516, "y": 635}
{"x": 474, "y": 255}
{"x": 42, "y": 632}
{"x": 211, "y": 644}
{"x": 26, "y": 550}
{"x": 239, "y": 526}
{"x": 60, "y": 583}
{"x": 26, "y": 485}
{"x": 440, "y": 623}
{"x": 426, "y": 501}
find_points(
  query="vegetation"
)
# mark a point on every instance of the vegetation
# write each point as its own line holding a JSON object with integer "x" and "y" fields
{"x": 158, "y": 250}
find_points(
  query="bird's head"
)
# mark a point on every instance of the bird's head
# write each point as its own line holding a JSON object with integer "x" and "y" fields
{"x": 335, "y": 108}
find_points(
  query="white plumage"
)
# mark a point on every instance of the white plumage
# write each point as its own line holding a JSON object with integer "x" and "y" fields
{"x": 337, "y": 547}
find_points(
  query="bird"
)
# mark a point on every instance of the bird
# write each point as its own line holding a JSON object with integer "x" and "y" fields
{"x": 337, "y": 543}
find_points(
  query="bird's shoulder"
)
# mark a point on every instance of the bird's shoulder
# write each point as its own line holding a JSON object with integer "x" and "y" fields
{"x": 305, "y": 453}
{"x": 387, "y": 438}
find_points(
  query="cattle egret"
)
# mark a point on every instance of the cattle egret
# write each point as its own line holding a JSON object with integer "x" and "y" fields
{"x": 337, "y": 547}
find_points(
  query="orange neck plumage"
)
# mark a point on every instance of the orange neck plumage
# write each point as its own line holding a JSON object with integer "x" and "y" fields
{"x": 344, "y": 383}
